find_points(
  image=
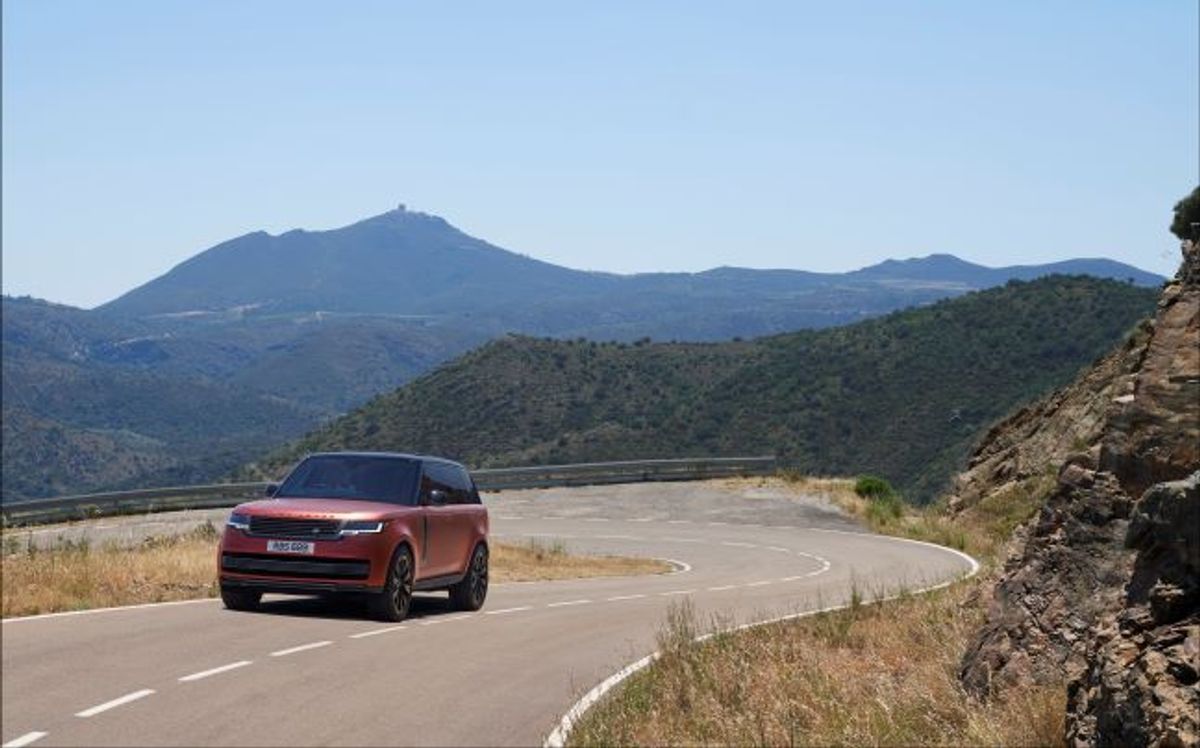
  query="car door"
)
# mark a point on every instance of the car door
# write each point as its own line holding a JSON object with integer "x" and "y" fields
{"x": 438, "y": 520}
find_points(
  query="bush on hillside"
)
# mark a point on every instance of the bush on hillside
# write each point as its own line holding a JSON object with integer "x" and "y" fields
{"x": 1187, "y": 212}
{"x": 872, "y": 487}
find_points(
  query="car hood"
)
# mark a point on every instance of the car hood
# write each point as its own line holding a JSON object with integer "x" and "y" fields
{"x": 321, "y": 508}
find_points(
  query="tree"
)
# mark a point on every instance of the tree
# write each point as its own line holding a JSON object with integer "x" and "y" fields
{"x": 1187, "y": 212}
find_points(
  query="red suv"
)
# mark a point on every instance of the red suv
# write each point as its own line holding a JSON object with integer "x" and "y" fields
{"x": 376, "y": 523}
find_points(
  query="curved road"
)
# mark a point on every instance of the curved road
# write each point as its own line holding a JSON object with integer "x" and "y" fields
{"x": 307, "y": 673}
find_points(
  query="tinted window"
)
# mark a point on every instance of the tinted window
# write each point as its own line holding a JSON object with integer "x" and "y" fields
{"x": 389, "y": 479}
{"x": 451, "y": 479}
{"x": 434, "y": 478}
{"x": 468, "y": 486}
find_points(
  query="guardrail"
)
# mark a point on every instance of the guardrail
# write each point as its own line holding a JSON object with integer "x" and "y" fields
{"x": 87, "y": 506}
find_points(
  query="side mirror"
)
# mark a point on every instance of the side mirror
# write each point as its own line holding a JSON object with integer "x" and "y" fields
{"x": 436, "y": 497}
{"x": 271, "y": 489}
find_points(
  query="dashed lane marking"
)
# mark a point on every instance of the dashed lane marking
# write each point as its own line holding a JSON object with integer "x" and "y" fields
{"x": 215, "y": 671}
{"x": 567, "y": 603}
{"x": 761, "y": 583}
{"x": 25, "y": 740}
{"x": 506, "y": 610}
{"x": 618, "y": 598}
{"x": 376, "y": 632}
{"x": 301, "y": 648}
{"x": 722, "y": 588}
{"x": 121, "y": 701}
{"x": 675, "y": 592}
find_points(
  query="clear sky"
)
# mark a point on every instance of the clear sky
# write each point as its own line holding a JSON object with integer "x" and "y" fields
{"x": 621, "y": 136}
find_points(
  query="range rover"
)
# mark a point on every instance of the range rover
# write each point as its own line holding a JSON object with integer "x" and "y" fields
{"x": 377, "y": 524}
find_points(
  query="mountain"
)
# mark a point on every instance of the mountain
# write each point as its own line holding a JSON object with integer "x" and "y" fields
{"x": 417, "y": 265}
{"x": 902, "y": 395}
{"x": 93, "y": 401}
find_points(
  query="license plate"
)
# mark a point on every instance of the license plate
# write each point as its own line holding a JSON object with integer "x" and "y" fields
{"x": 291, "y": 546}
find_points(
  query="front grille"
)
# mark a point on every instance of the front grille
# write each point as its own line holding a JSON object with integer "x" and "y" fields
{"x": 300, "y": 529}
{"x": 276, "y": 566}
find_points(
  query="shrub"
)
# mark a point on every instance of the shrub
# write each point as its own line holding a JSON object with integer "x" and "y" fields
{"x": 871, "y": 487}
{"x": 1187, "y": 212}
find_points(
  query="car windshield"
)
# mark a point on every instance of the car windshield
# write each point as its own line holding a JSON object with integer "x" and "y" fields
{"x": 369, "y": 478}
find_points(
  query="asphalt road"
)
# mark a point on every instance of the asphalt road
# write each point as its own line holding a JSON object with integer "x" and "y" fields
{"x": 305, "y": 672}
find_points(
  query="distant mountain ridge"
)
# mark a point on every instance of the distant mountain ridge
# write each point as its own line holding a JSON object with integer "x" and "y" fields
{"x": 411, "y": 263}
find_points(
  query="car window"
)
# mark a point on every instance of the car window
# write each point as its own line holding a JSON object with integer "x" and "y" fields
{"x": 470, "y": 493}
{"x": 436, "y": 477}
{"x": 369, "y": 478}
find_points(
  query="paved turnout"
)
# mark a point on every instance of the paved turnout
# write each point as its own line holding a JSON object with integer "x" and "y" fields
{"x": 306, "y": 672}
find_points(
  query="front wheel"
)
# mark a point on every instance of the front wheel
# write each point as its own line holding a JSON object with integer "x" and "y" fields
{"x": 240, "y": 599}
{"x": 392, "y": 603}
{"x": 470, "y": 593}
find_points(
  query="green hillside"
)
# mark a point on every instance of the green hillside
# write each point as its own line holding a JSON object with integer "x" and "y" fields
{"x": 902, "y": 396}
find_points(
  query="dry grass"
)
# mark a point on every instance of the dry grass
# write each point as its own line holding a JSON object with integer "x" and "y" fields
{"x": 77, "y": 576}
{"x": 872, "y": 675}
{"x": 540, "y": 562}
{"x": 884, "y": 674}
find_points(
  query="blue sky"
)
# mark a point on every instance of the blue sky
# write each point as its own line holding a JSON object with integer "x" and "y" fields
{"x": 611, "y": 136}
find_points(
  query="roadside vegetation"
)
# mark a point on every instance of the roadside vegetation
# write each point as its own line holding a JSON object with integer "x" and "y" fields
{"x": 75, "y": 575}
{"x": 880, "y": 672}
{"x": 871, "y": 675}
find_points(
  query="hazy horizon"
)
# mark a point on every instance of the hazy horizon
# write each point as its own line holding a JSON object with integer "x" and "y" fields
{"x": 623, "y": 138}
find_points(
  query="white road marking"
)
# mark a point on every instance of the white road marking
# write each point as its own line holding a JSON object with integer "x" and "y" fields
{"x": 778, "y": 549}
{"x": 375, "y": 632}
{"x": 675, "y": 592}
{"x": 624, "y": 597}
{"x": 617, "y": 537}
{"x": 568, "y": 602}
{"x": 762, "y": 583}
{"x": 506, "y": 610}
{"x": 642, "y": 519}
{"x": 214, "y": 671}
{"x": 24, "y": 740}
{"x": 681, "y": 567}
{"x": 595, "y": 519}
{"x": 683, "y": 540}
{"x": 92, "y": 712}
{"x": 508, "y": 516}
{"x": 462, "y": 617}
{"x": 718, "y": 524}
{"x": 722, "y": 588}
{"x": 301, "y": 648}
{"x": 793, "y": 579}
{"x": 117, "y": 609}
{"x": 679, "y": 522}
{"x": 734, "y": 544}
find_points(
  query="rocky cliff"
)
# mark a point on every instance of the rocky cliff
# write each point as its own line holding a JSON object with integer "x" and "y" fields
{"x": 1102, "y": 589}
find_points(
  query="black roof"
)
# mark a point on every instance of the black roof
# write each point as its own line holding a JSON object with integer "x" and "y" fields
{"x": 394, "y": 455}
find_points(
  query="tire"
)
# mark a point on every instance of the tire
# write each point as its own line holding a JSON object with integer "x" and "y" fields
{"x": 470, "y": 593}
{"x": 236, "y": 599}
{"x": 393, "y": 602}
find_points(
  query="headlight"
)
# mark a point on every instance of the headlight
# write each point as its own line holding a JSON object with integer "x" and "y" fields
{"x": 360, "y": 527}
{"x": 238, "y": 522}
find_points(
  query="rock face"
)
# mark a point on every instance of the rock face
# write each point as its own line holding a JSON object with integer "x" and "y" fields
{"x": 1141, "y": 685}
{"x": 1102, "y": 592}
